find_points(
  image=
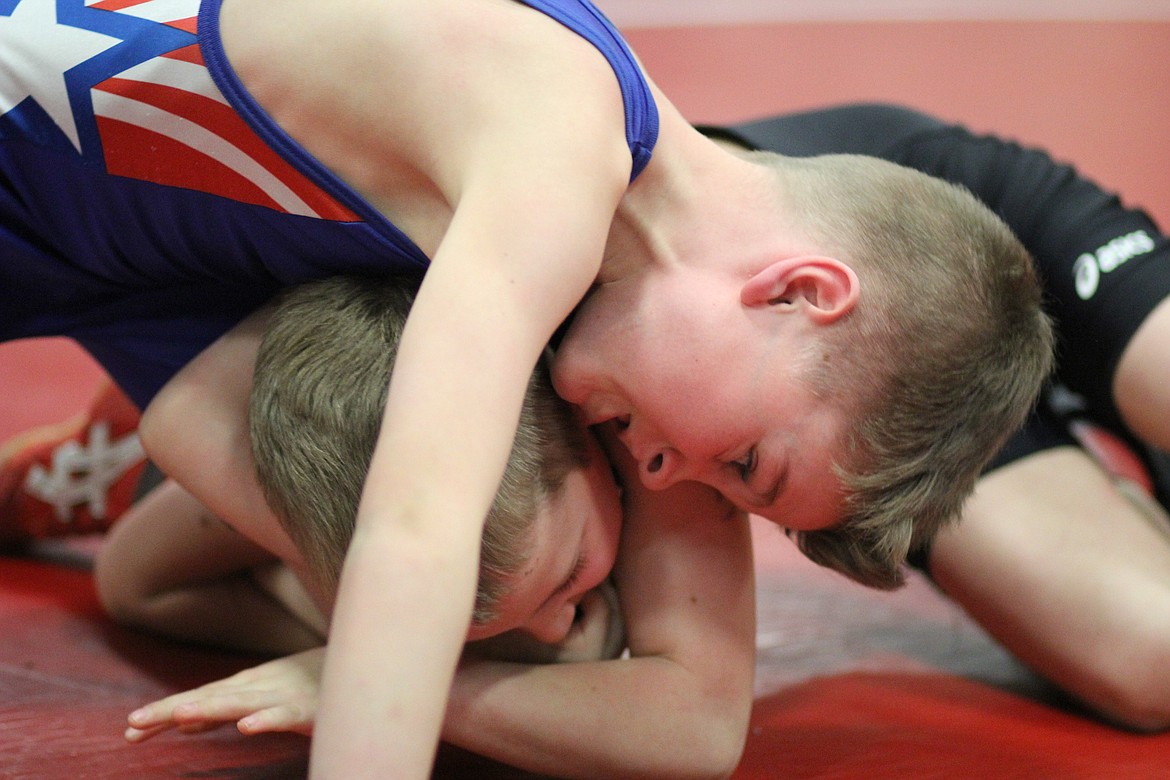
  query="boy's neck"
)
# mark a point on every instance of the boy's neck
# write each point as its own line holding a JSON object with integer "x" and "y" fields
{"x": 696, "y": 203}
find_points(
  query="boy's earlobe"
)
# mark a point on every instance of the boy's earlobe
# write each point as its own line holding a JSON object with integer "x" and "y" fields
{"x": 824, "y": 287}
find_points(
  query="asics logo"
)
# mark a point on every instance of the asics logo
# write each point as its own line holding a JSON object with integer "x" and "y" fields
{"x": 1088, "y": 268}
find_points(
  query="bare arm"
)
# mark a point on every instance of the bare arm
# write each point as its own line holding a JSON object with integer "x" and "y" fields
{"x": 1142, "y": 377}
{"x": 171, "y": 567}
{"x": 496, "y": 290}
{"x": 282, "y": 694}
{"x": 679, "y": 707}
{"x": 407, "y": 585}
{"x": 196, "y": 430}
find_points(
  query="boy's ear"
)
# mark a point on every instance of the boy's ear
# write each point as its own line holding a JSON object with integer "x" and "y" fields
{"x": 825, "y": 288}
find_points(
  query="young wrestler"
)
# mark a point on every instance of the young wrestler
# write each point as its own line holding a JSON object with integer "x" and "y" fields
{"x": 686, "y": 588}
{"x": 319, "y": 390}
{"x": 159, "y": 184}
{"x": 1051, "y": 557}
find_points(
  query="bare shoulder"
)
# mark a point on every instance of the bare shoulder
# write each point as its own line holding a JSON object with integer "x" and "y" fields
{"x": 196, "y": 431}
{"x": 388, "y": 90}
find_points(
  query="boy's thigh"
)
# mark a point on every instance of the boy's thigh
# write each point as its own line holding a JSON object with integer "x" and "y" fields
{"x": 1058, "y": 563}
{"x": 1141, "y": 385}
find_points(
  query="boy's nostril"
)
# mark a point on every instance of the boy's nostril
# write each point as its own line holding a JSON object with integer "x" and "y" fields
{"x": 655, "y": 465}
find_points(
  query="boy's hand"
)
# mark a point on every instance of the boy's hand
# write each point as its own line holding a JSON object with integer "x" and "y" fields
{"x": 279, "y": 695}
{"x": 598, "y": 634}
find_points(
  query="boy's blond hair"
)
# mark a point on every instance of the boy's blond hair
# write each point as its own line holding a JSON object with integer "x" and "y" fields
{"x": 941, "y": 359}
{"x": 322, "y": 375}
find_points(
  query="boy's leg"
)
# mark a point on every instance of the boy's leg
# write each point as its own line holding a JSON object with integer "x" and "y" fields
{"x": 72, "y": 477}
{"x": 170, "y": 567}
{"x": 1141, "y": 384}
{"x": 1072, "y": 576}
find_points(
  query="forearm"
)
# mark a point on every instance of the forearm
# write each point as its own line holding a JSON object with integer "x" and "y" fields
{"x": 408, "y": 582}
{"x": 632, "y": 718}
{"x": 402, "y": 612}
{"x": 680, "y": 706}
{"x": 233, "y": 613}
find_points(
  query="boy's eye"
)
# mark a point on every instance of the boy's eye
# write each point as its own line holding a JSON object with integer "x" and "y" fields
{"x": 745, "y": 465}
{"x": 574, "y": 575}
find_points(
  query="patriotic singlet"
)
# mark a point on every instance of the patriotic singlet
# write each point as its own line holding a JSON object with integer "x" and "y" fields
{"x": 147, "y": 203}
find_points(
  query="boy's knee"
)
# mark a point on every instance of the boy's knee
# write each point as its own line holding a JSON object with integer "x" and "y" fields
{"x": 116, "y": 593}
{"x": 1136, "y": 688}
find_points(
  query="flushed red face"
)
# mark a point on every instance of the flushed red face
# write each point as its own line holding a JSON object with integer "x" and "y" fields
{"x": 705, "y": 389}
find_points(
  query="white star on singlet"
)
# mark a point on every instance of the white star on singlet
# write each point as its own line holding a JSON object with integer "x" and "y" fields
{"x": 43, "y": 46}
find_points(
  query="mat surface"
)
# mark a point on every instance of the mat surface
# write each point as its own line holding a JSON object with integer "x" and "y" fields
{"x": 852, "y": 685}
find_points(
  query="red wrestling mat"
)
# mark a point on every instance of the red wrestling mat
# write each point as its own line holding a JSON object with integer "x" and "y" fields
{"x": 865, "y": 686}
{"x": 68, "y": 678}
{"x": 870, "y": 725}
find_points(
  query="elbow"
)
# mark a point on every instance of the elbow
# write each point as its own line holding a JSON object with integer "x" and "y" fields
{"x": 706, "y": 747}
{"x": 152, "y": 424}
{"x": 726, "y": 751}
{"x": 118, "y": 605}
{"x": 1135, "y": 705}
{"x": 715, "y": 740}
{"x": 717, "y": 764}
{"x": 714, "y": 744}
{"x": 709, "y": 762}
{"x": 1131, "y": 690}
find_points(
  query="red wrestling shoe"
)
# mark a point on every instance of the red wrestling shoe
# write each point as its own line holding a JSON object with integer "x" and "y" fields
{"x": 72, "y": 477}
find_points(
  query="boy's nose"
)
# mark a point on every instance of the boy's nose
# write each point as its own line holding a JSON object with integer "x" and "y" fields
{"x": 661, "y": 469}
{"x": 552, "y": 629}
{"x": 659, "y": 465}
